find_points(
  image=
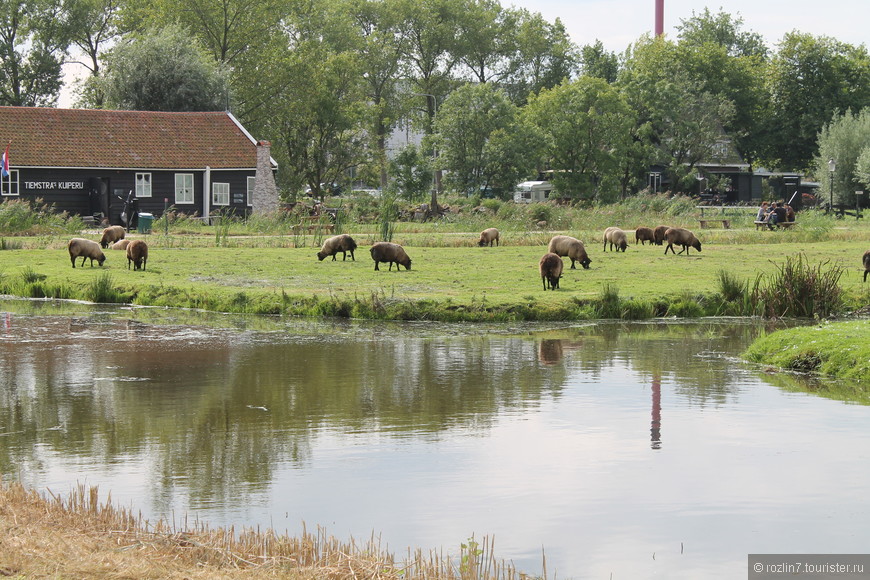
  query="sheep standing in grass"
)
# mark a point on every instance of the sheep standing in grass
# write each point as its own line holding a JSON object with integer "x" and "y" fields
{"x": 659, "y": 234}
{"x": 392, "y": 253}
{"x": 487, "y": 237}
{"x": 644, "y": 235}
{"x": 86, "y": 249}
{"x": 137, "y": 254}
{"x": 332, "y": 246}
{"x": 615, "y": 237}
{"x": 571, "y": 247}
{"x": 681, "y": 237}
{"x": 111, "y": 235}
{"x": 121, "y": 244}
{"x": 551, "y": 270}
{"x": 866, "y": 260}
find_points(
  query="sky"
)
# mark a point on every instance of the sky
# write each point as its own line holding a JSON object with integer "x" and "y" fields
{"x": 618, "y": 23}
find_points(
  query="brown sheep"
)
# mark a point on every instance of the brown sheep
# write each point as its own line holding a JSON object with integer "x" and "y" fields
{"x": 615, "y": 237}
{"x": 488, "y": 236}
{"x": 137, "y": 254}
{"x": 551, "y": 270}
{"x": 332, "y": 246}
{"x": 681, "y": 237}
{"x": 644, "y": 235}
{"x": 121, "y": 244}
{"x": 111, "y": 235}
{"x": 571, "y": 247}
{"x": 866, "y": 260}
{"x": 392, "y": 253}
{"x": 86, "y": 249}
{"x": 659, "y": 234}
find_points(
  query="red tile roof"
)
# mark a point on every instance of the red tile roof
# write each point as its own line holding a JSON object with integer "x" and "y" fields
{"x": 48, "y": 137}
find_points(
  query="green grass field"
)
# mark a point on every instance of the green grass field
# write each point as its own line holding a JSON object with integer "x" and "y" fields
{"x": 266, "y": 273}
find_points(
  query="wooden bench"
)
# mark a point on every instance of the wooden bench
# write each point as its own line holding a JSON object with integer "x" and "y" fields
{"x": 783, "y": 225}
{"x": 725, "y": 222}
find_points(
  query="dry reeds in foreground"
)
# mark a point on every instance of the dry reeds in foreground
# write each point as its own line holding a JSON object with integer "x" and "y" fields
{"x": 79, "y": 537}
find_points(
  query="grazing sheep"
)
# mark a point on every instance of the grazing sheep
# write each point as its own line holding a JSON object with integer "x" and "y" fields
{"x": 681, "y": 237}
{"x": 86, "y": 249}
{"x": 615, "y": 237}
{"x": 659, "y": 234}
{"x": 866, "y": 264}
{"x": 551, "y": 270}
{"x": 392, "y": 253}
{"x": 571, "y": 247}
{"x": 137, "y": 253}
{"x": 342, "y": 243}
{"x": 488, "y": 236}
{"x": 644, "y": 235}
{"x": 121, "y": 244}
{"x": 111, "y": 235}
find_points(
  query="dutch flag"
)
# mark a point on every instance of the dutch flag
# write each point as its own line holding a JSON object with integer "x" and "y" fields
{"x": 4, "y": 167}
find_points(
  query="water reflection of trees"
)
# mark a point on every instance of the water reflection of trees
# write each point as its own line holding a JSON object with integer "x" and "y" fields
{"x": 218, "y": 408}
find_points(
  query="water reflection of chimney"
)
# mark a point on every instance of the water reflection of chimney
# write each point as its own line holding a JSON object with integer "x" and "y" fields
{"x": 656, "y": 425}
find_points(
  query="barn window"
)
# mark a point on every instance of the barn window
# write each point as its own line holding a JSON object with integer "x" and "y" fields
{"x": 220, "y": 193}
{"x": 143, "y": 185}
{"x": 251, "y": 181}
{"x": 184, "y": 188}
{"x": 9, "y": 184}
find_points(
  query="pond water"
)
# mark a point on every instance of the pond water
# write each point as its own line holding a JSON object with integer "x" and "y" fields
{"x": 619, "y": 450}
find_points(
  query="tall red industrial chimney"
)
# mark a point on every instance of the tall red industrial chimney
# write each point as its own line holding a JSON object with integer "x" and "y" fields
{"x": 660, "y": 17}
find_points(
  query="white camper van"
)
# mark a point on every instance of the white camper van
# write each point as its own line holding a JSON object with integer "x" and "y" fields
{"x": 532, "y": 191}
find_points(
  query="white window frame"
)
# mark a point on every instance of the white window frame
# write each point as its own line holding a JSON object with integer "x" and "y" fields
{"x": 184, "y": 190}
{"x": 252, "y": 182}
{"x": 143, "y": 185}
{"x": 220, "y": 193}
{"x": 9, "y": 186}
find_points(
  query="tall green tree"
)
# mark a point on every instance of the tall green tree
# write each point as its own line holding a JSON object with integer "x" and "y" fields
{"x": 685, "y": 121}
{"x": 721, "y": 29}
{"x": 93, "y": 29}
{"x": 808, "y": 80}
{"x": 846, "y": 140}
{"x": 34, "y": 37}
{"x": 587, "y": 124}
{"x": 545, "y": 56}
{"x": 482, "y": 139}
{"x": 486, "y": 42}
{"x": 162, "y": 70}
{"x": 382, "y": 44}
{"x": 595, "y": 61}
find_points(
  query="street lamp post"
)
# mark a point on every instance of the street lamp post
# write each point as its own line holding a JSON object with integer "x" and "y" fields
{"x": 832, "y": 167}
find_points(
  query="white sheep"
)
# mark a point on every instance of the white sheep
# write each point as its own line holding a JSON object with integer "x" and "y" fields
{"x": 571, "y": 247}
{"x": 488, "y": 236}
{"x": 615, "y": 237}
{"x": 86, "y": 249}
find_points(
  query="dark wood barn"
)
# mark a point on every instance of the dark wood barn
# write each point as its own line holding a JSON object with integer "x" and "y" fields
{"x": 89, "y": 162}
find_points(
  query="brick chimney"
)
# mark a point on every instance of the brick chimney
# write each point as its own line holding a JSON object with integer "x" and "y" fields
{"x": 265, "y": 199}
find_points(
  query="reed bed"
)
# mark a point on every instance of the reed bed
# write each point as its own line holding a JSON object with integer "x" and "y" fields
{"x": 80, "y": 536}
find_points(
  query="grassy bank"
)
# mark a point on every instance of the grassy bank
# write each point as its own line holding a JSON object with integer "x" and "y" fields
{"x": 446, "y": 283}
{"x": 840, "y": 349}
{"x": 81, "y": 537}
{"x": 271, "y": 275}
